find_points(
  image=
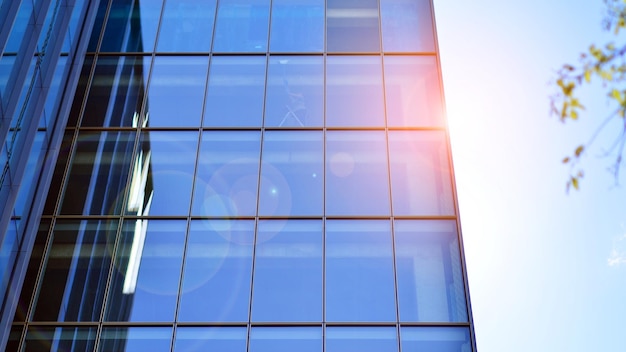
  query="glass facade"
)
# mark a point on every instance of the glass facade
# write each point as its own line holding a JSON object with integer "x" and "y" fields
{"x": 250, "y": 175}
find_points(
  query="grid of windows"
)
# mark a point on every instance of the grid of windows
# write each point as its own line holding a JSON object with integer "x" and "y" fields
{"x": 252, "y": 175}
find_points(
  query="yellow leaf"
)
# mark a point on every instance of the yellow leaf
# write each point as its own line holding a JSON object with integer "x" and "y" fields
{"x": 579, "y": 150}
{"x": 617, "y": 95}
{"x": 606, "y": 75}
{"x": 575, "y": 182}
{"x": 573, "y": 114}
{"x": 588, "y": 75}
{"x": 566, "y": 160}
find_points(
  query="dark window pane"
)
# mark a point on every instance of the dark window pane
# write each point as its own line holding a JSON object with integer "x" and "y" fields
{"x": 407, "y": 26}
{"x": 44, "y": 339}
{"x": 286, "y": 339}
{"x": 288, "y": 271}
{"x": 359, "y": 271}
{"x": 131, "y": 26}
{"x": 242, "y": 26}
{"x": 436, "y": 339}
{"x": 352, "y": 26}
{"x": 295, "y": 91}
{"x": 135, "y": 339}
{"x": 216, "y": 281}
{"x": 57, "y": 177}
{"x": 219, "y": 339}
{"x": 291, "y": 173}
{"x": 297, "y": 26}
{"x": 187, "y": 26}
{"x": 430, "y": 278}
{"x": 13, "y": 341}
{"x": 81, "y": 91}
{"x": 362, "y": 339}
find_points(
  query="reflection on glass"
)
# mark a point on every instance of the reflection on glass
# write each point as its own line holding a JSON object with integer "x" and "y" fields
{"x": 131, "y": 26}
{"x": 80, "y": 92}
{"x": 285, "y": 339}
{"x": 430, "y": 278}
{"x": 352, "y": 26}
{"x": 176, "y": 91}
{"x": 187, "y": 26}
{"x": 288, "y": 271}
{"x": 407, "y": 26}
{"x": 135, "y": 339}
{"x": 216, "y": 280}
{"x": 35, "y": 160}
{"x": 147, "y": 269}
{"x": 297, "y": 26}
{"x": 97, "y": 176}
{"x": 228, "y": 172}
{"x": 362, "y": 339}
{"x": 420, "y": 175}
{"x": 44, "y": 339}
{"x": 435, "y": 339}
{"x": 9, "y": 247}
{"x": 356, "y": 173}
{"x": 242, "y": 26}
{"x": 291, "y": 173}
{"x": 235, "y": 92}
{"x": 13, "y": 341}
{"x": 222, "y": 339}
{"x": 32, "y": 272}
{"x": 413, "y": 94}
{"x": 354, "y": 91}
{"x": 359, "y": 271}
{"x": 295, "y": 91}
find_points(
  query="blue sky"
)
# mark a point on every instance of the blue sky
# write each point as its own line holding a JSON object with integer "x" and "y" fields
{"x": 544, "y": 267}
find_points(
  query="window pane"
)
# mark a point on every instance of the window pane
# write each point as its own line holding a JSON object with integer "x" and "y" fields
{"x": 356, "y": 173}
{"x": 242, "y": 26}
{"x": 436, "y": 339}
{"x": 362, "y": 339}
{"x": 228, "y": 174}
{"x": 286, "y": 339}
{"x": 420, "y": 175}
{"x": 291, "y": 173}
{"x": 76, "y": 271}
{"x": 147, "y": 271}
{"x": 163, "y": 174}
{"x": 97, "y": 177}
{"x": 359, "y": 271}
{"x": 219, "y": 339}
{"x": 135, "y": 339}
{"x": 288, "y": 271}
{"x": 295, "y": 91}
{"x": 216, "y": 283}
{"x": 413, "y": 93}
{"x": 187, "y": 26}
{"x": 352, "y": 26}
{"x": 407, "y": 26}
{"x": 430, "y": 278}
{"x": 131, "y": 26}
{"x": 176, "y": 79}
{"x": 43, "y": 339}
{"x": 13, "y": 341}
{"x": 235, "y": 93}
{"x": 297, "y": 26}
{"x": 354, "y": 92}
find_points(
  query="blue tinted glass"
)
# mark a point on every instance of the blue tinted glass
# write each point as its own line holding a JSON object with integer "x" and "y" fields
{"x": 242, "y": 26}
{"x": 44, "y": 339}
{"x": 286, "y": 339}
{"x": 291, "y": 173}
{"x": 407, "y": 25}
{"x": 54, "y": 94}
{"x": 288, "y": 271}
{"x": 430, "y": 278}
{"x": 147, "y": 271}
{"x": 218, "y": 267}
{"x": 354, "y": 91}
{"x": 435, "y": 339}
{"x": 219, "y": 339}
{"x": 6, "y": 65}
{"x": 359, "y": 271}
{"x": 18, "y": 31}
{"x": 420, "y": 173}
{"x": 176, "y": 79}
{"x": 356, "y": 173}
{"x": 352, "y": 26}
{"x": 131, "y": 26}
{"x": 98, "y": 25}
{"x": 413, "y": 94}
{"x": 295, "y": 91}
{"x": 32, "y": 166}
{"x": 163, "y": 174}
{"x": 297, "y": 26}
{"x": 362, "y": 339}
{"x": 135, "y": 339}
{"x": 9, "y": 246}
{"x": 187, "y": 26}
{"x": 228, "y": 173}
{"x": 235, "y": 92}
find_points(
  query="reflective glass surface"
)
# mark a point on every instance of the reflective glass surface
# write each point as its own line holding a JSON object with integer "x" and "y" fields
{"x": 235, "y": 92}
{"x": 218, "y": 268}
{"x": 292, "y": 173}
{"x": 420, "y": 173}
{"x": 356, "y": 173}
{"x": 359, "y": 271}
{"x": 242, "y": 26}
{"x": 222, "y": 339}
{"x": 407, "y": 26}
{"x": 295, "y": 91}
{"x": 435, "y": 339}
{"x": 147, "y": 271}
{"x": 288, "y": 271}
{"x": 135, "y": 339}
{"x": 352, "y": 26}
{"x": 32, "y": 272}
{"x": 228, "y": 172}
{"x": 354, "y": 91}
{"x": 285, "y": 339}
{"x": 362, "y": 339}
{"x": 45, "y": 339}
{"x": 297, "y": 26}
{"x": 81, "y": 91}
{"x": 131, "y": 26}
{"x": 187, "y": 26}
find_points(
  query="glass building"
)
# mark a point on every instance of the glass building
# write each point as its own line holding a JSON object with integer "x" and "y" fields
{"x": 227, "y": 175}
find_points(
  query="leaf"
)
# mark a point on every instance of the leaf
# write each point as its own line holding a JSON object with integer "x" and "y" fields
{"x": 607, "y": 75}
{"x": 566, "y": 160}
{"x": 617, "y": 95}
{"x": 573, "y": 114}
{"x": 579, "y": 150}
{"x": 587, "y": 76}
{"x": 575, "y": 183}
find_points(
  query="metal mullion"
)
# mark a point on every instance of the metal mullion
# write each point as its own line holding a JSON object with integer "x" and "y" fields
{"x": 324, "y": 142}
